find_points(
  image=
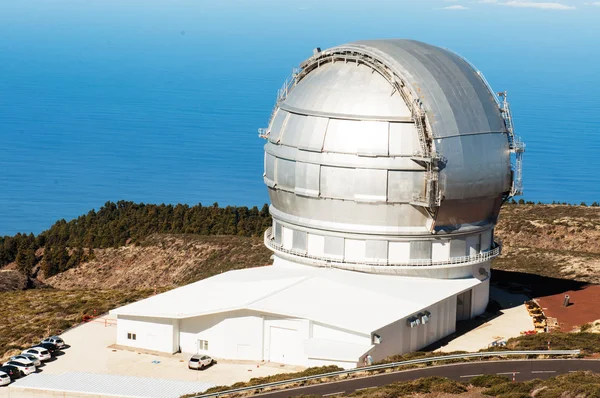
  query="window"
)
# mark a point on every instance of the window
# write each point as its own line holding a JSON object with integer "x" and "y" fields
{"x": 203, "y": 345}
{"x": 131, "y": 336}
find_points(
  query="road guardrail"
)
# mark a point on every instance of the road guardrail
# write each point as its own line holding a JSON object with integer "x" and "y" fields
{"x": 261, "y": 387}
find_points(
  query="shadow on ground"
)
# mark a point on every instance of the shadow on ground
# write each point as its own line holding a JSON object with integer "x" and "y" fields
{"x": 533, "y": 285}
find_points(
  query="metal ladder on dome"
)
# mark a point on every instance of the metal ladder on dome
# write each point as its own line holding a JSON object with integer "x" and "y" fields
{"x": 516, "y": 146}
{"x": 432, "y": 196}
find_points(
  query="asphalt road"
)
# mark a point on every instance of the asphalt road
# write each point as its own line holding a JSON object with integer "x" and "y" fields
{"x": 522, "y": 369}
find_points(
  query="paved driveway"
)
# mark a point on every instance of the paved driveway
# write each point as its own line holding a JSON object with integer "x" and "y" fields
{"x": 513, "y": 320}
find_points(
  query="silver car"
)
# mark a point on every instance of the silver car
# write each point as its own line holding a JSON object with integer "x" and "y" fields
{"x": 200, "y": 361}
{"x": 40, "y": 353}
{"x": 4, "y": 379}
{"x": 56, "y": 340}
{"x": 25, "y": 367}
{"x": 27, "y": 357}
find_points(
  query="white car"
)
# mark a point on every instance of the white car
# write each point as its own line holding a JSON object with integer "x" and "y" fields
{"x": 4, "y": 379}
{"x": 25, "y": 367}
{"x": 200, "y": 361}
{"x": 57, "y": 341}
{"x": 27, "y": 357}
{"x": 40, "y": 353}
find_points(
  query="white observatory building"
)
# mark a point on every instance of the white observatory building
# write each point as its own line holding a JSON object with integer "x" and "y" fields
{"x": 387, "y": 162}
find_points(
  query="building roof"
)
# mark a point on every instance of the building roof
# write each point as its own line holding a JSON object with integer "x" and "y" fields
{"x": 111, "y": 385}
{"x": 345, "y": 299}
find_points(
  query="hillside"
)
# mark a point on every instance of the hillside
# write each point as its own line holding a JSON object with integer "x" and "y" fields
{"x": 550, "y": 240}
{"x": 163, "y": 261}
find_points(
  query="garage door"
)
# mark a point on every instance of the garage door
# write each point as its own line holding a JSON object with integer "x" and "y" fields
{"x": 282, "y": 345}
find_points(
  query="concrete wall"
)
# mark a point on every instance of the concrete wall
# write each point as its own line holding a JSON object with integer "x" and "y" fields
{"x": 399, "y": 338}
{"x": 156, "y": 334}
{"x": 481, "y": 292}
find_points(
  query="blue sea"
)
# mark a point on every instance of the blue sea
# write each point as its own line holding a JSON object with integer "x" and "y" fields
{"x": 159, "y": 101}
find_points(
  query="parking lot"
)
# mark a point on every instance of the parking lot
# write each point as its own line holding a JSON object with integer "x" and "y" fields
{"x": 89, "y": 352}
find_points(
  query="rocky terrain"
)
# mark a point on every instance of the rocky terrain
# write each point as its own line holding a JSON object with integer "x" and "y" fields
{"x": 12, "y": 280}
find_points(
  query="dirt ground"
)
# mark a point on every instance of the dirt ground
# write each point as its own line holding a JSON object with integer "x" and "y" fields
{"x": 550, "y": 293}
{"x": 583, "y": 307}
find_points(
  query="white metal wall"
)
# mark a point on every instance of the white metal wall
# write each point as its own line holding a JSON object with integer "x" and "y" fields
{"x": 156, "y": 334}
{"x": 325, "y": 332}
{"x": 399, "y": 338}
{"x": 232, "y": 335}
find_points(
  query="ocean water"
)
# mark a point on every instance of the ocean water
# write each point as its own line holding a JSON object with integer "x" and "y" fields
{"x": 159, "y": 101}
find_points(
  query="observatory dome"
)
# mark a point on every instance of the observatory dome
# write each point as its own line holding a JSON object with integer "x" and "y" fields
{"x": 389, "y": 156}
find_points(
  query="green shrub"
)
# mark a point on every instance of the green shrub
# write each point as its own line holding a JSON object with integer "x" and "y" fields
{"x": 510, "y": 389}
{"x": 426, "y": 385}
{"x": 588, "y": 343}
{"x": 585, "y": 327}
{"x": 317, "y": 370}
{"x": 488, "y": 381}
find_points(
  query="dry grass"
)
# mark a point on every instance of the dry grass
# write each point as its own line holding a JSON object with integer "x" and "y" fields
{"x": 550, "y": 240}
{"x": 30, "y": 315}
{"x": 164, "y": 261}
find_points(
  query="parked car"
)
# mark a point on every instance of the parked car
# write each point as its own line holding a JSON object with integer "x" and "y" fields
{"x": 200, "y": 361}
{"x": 39, "y": 352}
{"x": 4, "y": 379}
{"x": 25, "y": 367}
{"x": 51, "y": 348}
{"x": 12, "y": 371}
{"x": 57, "y": 341}
{"x": 27, "y": 357}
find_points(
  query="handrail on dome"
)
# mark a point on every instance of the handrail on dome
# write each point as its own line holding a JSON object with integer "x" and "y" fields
{"x": 493, "y": 252}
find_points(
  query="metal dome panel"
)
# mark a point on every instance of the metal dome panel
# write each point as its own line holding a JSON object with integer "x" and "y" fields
{"x": 375, "y": 146}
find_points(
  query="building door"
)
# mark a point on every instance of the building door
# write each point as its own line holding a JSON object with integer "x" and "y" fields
{"x": 463, "y": 306}
{"x": 281, "y": 344}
